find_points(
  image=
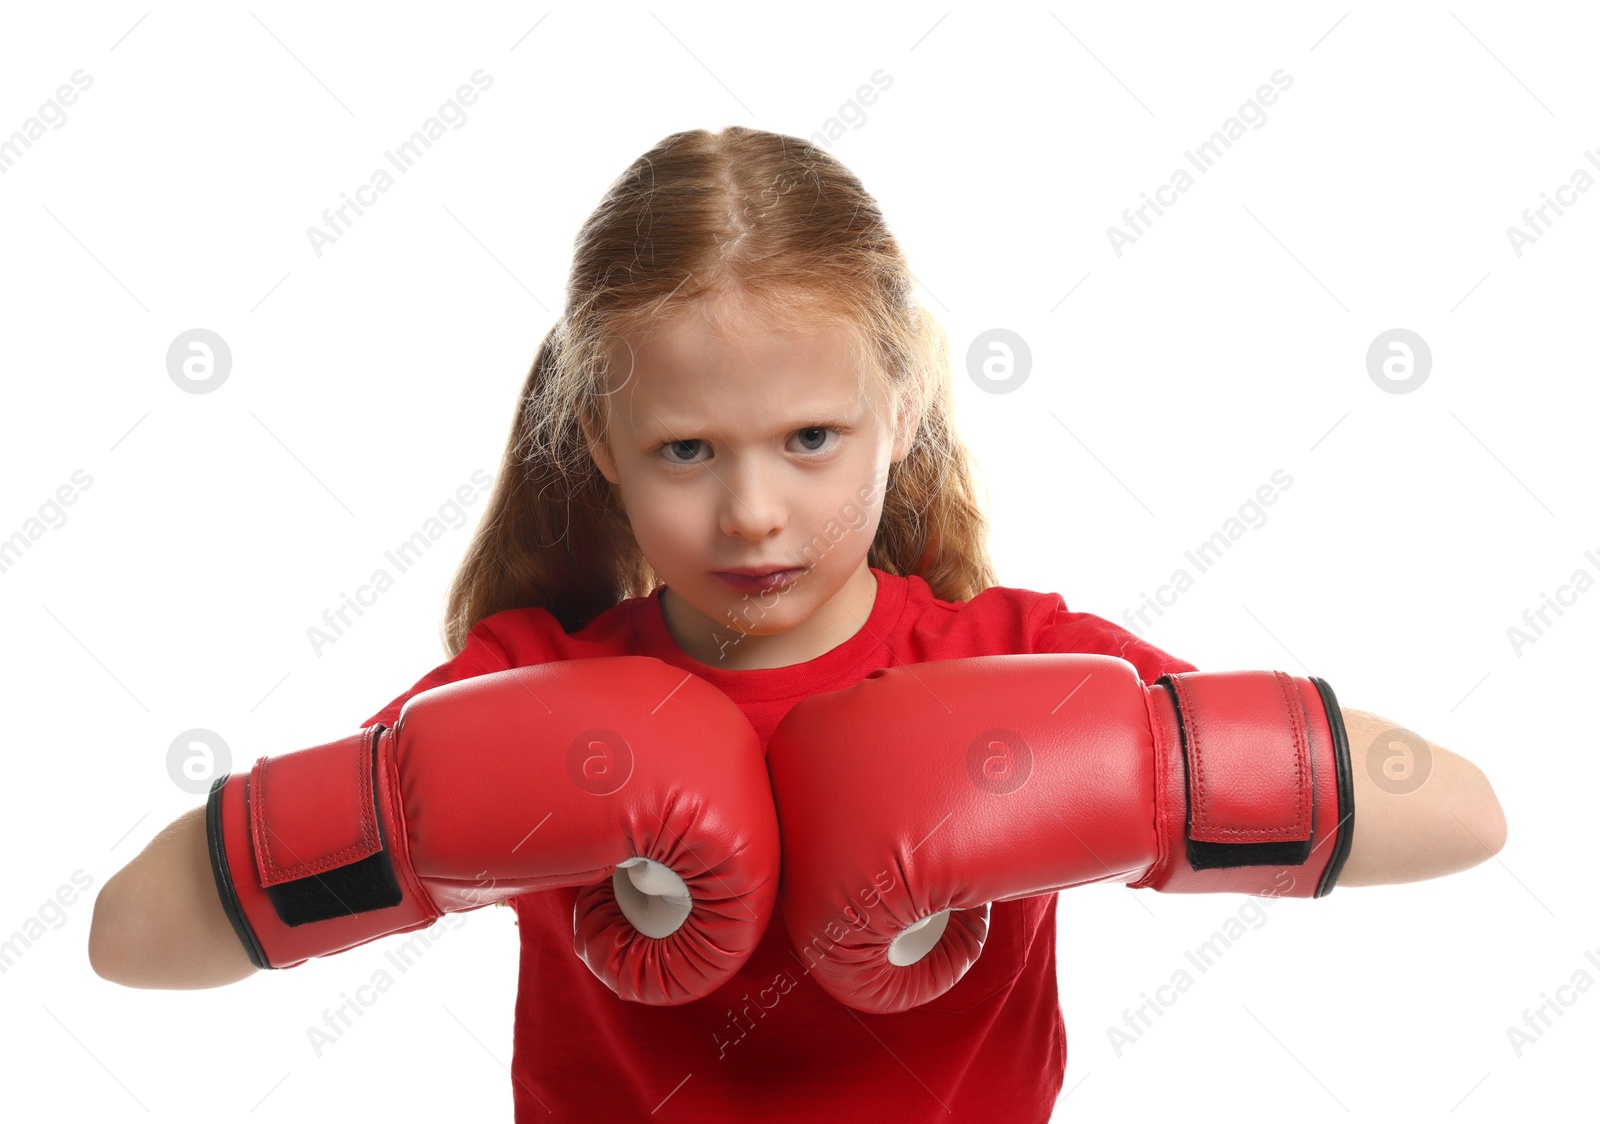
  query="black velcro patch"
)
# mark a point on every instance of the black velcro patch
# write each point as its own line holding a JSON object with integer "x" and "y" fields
{"x": 359, "y": 887}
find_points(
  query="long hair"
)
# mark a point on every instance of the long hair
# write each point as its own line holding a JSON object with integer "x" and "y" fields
{"x": 700, "y": 216}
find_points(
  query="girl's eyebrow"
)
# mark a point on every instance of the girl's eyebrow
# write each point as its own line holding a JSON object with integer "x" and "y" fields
{"x": 825, "y": 415}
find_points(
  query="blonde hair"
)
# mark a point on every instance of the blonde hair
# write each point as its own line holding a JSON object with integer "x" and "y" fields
{"x": 700, "y": 217}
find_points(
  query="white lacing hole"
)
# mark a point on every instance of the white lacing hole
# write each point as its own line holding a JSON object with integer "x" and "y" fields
{"x": 655, "y": 900}
{"x": 916, "y": 942}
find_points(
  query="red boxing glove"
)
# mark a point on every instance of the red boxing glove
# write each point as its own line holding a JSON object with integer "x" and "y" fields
{"x": 911, "y": 800}
{"x": 624, "y": 775}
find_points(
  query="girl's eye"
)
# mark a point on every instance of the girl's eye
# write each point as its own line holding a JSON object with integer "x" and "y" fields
{"x": 811, "y": 441}
{"x": 677, "y": 445}
{"x": 821, "y": 430}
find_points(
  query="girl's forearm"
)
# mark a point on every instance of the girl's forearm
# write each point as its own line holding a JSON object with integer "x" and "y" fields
{"x": 1421, "y": 811}
{"x": 158, "y": 922}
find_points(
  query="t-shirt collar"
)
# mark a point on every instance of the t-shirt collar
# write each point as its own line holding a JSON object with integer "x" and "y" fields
{"x": 795, "y": 680}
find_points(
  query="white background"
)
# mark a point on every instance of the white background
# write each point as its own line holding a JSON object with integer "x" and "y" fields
{"x": 1230, "y": 341}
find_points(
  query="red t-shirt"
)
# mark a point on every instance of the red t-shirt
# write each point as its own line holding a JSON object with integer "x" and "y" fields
{"x": 770, "y": 1044}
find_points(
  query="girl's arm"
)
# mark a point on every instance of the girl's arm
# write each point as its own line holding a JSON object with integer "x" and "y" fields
{"x": 1406, "y": 831}
{"x": 158, "y": 921}
{"x": 159, "y": 924}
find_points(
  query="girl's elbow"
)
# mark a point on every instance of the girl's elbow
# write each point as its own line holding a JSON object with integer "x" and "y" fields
{"x": 1478, "y": 811}
{"x": 1492, "y": 821}
{"x": 106, "y": 943}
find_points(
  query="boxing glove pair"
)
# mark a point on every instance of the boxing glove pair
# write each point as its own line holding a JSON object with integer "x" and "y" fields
{"x": 909, "y": 802}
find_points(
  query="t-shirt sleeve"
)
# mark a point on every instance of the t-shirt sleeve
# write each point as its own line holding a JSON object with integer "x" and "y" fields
{"x": 481, "y": 654}
{"x": 1053, "y": 628}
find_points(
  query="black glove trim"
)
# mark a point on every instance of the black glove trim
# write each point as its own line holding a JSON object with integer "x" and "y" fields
{"x": 1347, "y": 797}
{"x": 224, "y": 876}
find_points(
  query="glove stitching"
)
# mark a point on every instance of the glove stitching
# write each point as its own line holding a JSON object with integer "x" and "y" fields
{"x": 1302, "y": 752}
{"x": 402, "y": 864}
{"x": 1165, "y": 753}
{"x": 364, "y": 846}
{"x": 1202, "y": 811}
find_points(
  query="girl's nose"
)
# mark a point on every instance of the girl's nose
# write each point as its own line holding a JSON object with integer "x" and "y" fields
{"x": 753, "y": 506}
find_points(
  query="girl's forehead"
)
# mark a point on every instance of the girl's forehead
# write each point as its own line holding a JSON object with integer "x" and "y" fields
{"x": 690, "y": 357}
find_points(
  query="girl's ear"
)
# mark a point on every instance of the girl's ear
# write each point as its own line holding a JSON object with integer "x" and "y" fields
{"x": 598, "y": 449}
{"x": 906, "y": 432}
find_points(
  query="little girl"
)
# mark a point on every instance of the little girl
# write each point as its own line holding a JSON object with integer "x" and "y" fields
{"x": 736, "y": 452}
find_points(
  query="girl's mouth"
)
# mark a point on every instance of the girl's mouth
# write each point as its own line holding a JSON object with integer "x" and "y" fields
{"x": 760, "y": 583}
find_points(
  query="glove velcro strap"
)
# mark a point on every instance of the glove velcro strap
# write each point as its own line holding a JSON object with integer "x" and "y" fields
{"x": 314, "y": 825}
{"x": 1249, "y": 768}
{"x": 313, "y": 836}
{"x": 1266, "y": 779}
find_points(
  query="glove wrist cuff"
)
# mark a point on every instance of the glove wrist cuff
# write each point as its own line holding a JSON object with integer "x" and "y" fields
{"x": 1255, "y": 778}
{"x": 308, "y": 855}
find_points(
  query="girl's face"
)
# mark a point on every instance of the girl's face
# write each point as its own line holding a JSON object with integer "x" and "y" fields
{"x": 736, "y": 446}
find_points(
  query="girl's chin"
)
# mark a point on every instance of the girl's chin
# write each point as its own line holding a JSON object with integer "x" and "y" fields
{"x": 718, "y": 601}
